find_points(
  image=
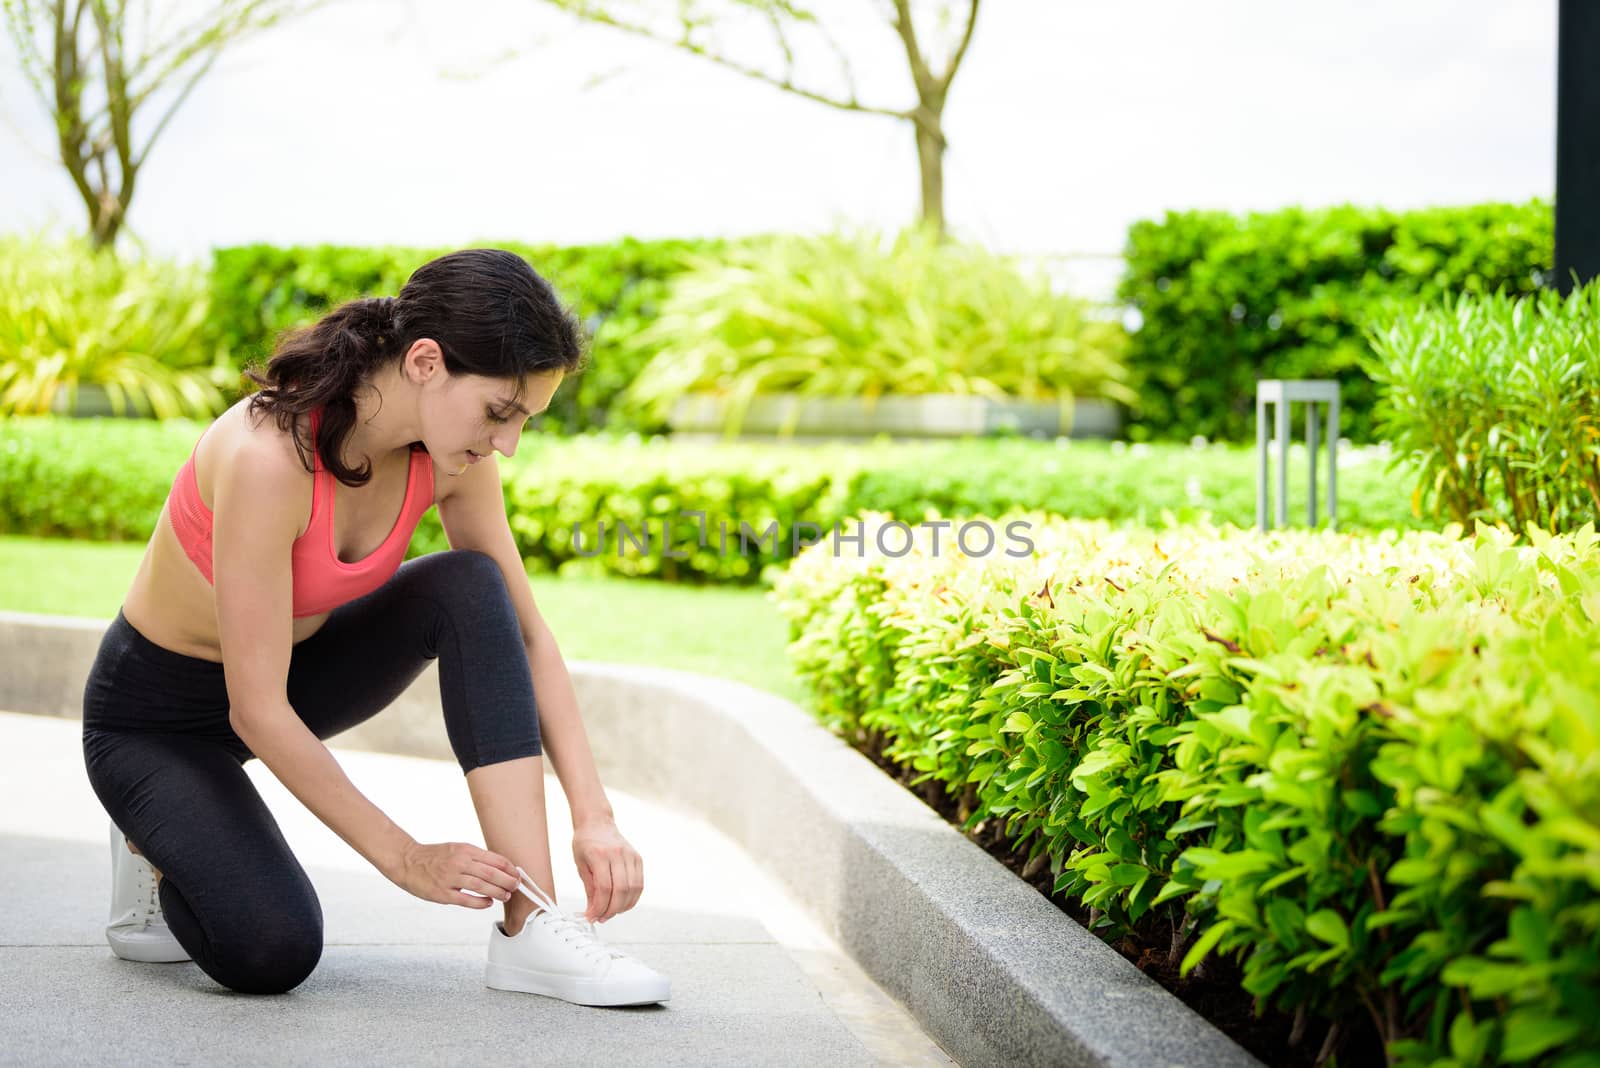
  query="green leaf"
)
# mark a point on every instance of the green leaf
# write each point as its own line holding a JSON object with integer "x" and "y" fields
{"x": 1329, "y": 926}
{"x": 1362, "y": 802}
{"x": 1529, "y": 1032}
{"x": 1128, "y": 874}
{"x": 1206, "y": 942}
{"x": 1506, "y": 827}
{"x": 1489, "y": 979}
{"x": 1171, "y": 890}
{"x": 1190, "y": 823}
{"x": 1230, "y": 866}
{"x": 1235, "y": 720}
{"x": 1017, "y": 722}
{"x": 1469, "y": 1041}
{"x": 1530, "y": 930}
{"x": 1389, "y": 917}
{"x": 1094, "y": 763}
{"x": 1413, "y": 872}
{"x": 1281, "y": 878}
{"x": 1236, "y": 793}
{"x": 1265, "y": 981}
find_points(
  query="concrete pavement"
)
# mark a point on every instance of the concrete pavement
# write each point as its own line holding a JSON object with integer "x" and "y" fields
{"x": 755, "y": 981}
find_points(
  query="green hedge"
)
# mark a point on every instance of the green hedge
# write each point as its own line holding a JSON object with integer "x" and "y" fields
{"x": 1366, "y": 768}
{"x": 1227, "y": 300}
{"x": 106, "y": 480}
{"x": 260, "y": 290}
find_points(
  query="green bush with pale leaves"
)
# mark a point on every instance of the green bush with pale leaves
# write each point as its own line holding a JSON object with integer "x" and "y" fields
{"x": 1367, "y": 767}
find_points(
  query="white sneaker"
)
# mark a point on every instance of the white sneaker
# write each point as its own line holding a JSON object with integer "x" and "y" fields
{"x": 137, "y": 930}
{"x": 561, "y": 956}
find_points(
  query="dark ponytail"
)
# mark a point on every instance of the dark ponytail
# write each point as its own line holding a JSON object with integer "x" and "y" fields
{"x": 489, "y": 312}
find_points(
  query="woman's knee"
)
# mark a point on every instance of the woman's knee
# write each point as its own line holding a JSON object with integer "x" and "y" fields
{"x": 469, "y": 590}
{"x": 270, "y": 958}
{"x": 462, "y": 576}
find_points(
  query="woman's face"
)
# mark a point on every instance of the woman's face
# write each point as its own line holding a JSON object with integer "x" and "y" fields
{"x": 476, "y": 416}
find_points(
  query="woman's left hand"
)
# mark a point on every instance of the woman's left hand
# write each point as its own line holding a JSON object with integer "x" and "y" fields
{"x": 611, "y": 869}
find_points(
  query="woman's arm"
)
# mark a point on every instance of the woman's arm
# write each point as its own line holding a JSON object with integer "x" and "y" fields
{"x": 561, "y": 726}
{"x": 258, "y": 499}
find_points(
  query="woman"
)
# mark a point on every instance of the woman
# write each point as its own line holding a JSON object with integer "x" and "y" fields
{"x": 272, "y": 611}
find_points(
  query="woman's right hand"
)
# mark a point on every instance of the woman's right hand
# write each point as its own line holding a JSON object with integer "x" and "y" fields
{"x": 442, "y": 871}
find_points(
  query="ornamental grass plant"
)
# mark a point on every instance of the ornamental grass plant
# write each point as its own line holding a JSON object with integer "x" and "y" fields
{"x": 70, "y": 317}
{"x": 1496, "y": 400}
{"x": 858, "y": 315}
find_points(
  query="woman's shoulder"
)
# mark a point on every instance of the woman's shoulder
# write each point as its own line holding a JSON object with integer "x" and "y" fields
{"x": 251, "y": 445}
{"x": 256, "y": 436}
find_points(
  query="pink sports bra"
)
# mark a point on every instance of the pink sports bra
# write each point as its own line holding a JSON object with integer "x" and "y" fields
{"x": 322, "y": 581}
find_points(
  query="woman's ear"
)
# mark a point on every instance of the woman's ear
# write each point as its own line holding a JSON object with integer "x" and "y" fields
{"x": 423, "y": 360}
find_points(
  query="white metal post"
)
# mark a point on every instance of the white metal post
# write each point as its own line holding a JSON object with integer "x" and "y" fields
{"x": 1333, "y": 461}
{"x": 1283, "y": 394}
{"x": 1311, "y": 448}
{"x": 1281, "y": 505}
{"x": 1261, "y": 462}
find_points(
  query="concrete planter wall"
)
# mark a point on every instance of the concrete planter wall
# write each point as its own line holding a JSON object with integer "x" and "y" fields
{"x": 995, "y": 973}
{"x": 938, "y": 415}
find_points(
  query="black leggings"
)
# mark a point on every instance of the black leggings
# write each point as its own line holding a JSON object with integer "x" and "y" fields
{"x": 168, "y": 768}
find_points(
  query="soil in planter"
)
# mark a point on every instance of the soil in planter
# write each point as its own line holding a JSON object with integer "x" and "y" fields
{"x": 1212, "y": 990}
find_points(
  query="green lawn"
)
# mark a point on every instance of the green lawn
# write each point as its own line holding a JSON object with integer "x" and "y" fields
{"x": 732, "y": 633}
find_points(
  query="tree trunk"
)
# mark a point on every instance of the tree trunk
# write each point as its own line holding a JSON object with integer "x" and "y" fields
{"x": 930, "y": 158}
{"x": 928, "y": 120}
{"x": 106, "y": 212}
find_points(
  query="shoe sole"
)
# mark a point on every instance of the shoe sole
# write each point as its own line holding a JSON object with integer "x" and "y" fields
{"x": 579, "y": 991}
{"x": 147, "y": 950}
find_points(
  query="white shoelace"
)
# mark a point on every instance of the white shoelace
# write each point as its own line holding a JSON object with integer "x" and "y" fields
{"x": 587, "y": 934}
{"x": 152, "y": 905}
{"x": 145, "y": 912}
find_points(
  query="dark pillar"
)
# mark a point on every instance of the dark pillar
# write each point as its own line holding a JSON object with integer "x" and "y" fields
{"x": 1577, "y": 142}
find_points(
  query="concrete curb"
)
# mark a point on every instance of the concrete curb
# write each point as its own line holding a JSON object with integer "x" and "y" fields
{"x": 995, "y": 973}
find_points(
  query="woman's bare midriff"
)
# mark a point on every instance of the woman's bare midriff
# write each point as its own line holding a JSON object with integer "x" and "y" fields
{"x": 170, "y": 601}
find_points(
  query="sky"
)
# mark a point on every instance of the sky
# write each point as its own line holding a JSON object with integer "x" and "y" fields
{"x": 457, "y": 122}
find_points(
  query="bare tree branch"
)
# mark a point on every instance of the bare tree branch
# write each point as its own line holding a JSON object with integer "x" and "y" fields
{"x": 776, "y": 23}
{"x": 183, "y": 95}
{"x": 95, "y": 93}
{"x": 21, "y": 25}
{"x": 842, "y": 56}
{"x": 108, "y": 23}
{"x": 932, "y": 89}
{"x": 688, "y": 44}
{"x": 961, "y": 49}
{"x": 68, "y": 104}
{"x": 209, "y": 34}
{"x": 920, "y": 74}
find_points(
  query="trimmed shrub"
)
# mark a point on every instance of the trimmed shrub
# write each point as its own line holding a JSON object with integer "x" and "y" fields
{"x": 55, "y": 480}
{"x": 1366, "y": 768}
{"x": 1228, "y": 300}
